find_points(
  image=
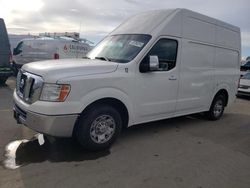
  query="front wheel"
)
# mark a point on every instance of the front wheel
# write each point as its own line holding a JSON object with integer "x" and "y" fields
{"x": 98, "y": 127}
{"x": 217, "y": 108}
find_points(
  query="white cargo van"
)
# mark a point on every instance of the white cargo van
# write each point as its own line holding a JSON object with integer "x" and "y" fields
{"x": 45, "y": 48}
{"x": 156, "y": 65}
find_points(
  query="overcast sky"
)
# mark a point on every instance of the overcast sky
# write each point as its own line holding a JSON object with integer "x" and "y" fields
{"x": 95, "y": 18}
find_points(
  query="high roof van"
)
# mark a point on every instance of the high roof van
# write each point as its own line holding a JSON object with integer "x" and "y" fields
{"x": 156, "y": 65}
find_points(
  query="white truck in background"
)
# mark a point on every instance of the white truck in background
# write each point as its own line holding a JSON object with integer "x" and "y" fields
{"x": 48, "y": 47}
{"x": 156, "y": 65}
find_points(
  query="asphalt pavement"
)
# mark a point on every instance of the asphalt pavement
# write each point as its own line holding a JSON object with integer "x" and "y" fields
{"x": 180, "y": 152}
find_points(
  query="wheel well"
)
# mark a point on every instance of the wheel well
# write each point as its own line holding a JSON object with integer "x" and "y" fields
{"x": 115, "y": 103}
{"x": 224, "y": 93}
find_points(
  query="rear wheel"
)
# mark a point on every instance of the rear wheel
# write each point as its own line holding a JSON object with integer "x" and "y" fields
{"x": 98, "y": 127}
{"x": 217, "y": 108}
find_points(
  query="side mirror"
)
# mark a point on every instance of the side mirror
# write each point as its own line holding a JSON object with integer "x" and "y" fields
{"x": 150, "y": 63}
{"x": 153, "y": 62}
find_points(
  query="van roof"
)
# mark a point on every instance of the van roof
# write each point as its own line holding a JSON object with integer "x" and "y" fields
{"x": 182, "y": 23}
{"x": 145, "y": 22}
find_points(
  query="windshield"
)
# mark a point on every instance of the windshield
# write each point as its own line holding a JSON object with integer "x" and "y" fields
{"x": 119, "y": 48}
{"x": 246, "y": 76}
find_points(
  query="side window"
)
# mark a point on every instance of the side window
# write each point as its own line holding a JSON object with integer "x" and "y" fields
{"x": 166, "y": 50}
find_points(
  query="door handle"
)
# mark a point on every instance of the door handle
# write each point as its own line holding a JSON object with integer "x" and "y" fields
{"x": 172, "y": 78}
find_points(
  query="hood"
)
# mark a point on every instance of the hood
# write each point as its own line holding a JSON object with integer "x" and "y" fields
{"x": 53, "y": 70}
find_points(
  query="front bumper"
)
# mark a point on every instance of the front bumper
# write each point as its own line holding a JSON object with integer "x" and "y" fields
{"x": 54, "y": 125}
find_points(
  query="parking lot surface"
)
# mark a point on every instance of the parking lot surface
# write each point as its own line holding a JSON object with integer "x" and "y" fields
{"x": 180, "y": 152}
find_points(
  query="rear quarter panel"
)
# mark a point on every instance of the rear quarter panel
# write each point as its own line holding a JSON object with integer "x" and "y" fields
{"x": 227, "y": 72}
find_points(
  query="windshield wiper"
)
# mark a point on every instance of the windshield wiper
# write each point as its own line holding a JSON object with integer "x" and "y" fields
{"x": 103, "y": 58}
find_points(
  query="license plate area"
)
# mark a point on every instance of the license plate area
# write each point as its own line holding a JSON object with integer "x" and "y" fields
{"x": 19, "y": 115}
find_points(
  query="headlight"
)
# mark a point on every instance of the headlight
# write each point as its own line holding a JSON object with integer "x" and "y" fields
{"x": 55, "y": 92}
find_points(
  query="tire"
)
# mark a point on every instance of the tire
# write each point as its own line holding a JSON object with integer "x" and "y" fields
{"x": 217, "y": 108}
{"x": 98, "y": 127}
{"x": 3, "y": 80}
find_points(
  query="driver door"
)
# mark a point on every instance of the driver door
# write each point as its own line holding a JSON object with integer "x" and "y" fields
{"x": 156, "y": 90}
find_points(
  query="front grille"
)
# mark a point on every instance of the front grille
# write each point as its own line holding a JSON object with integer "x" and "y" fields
{"x": 28, "y": 86}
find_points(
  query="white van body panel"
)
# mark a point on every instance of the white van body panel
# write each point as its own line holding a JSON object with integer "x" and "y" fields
{"x": 207, "y": 61}
{"x": 196, "y": 73}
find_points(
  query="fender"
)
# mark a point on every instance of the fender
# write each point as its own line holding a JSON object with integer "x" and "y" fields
{"x": 110, "y": 92}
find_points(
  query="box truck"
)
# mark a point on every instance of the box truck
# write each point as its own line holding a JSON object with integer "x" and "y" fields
{"x": 5, "y": 54}
{"x": 156, "y": 65}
